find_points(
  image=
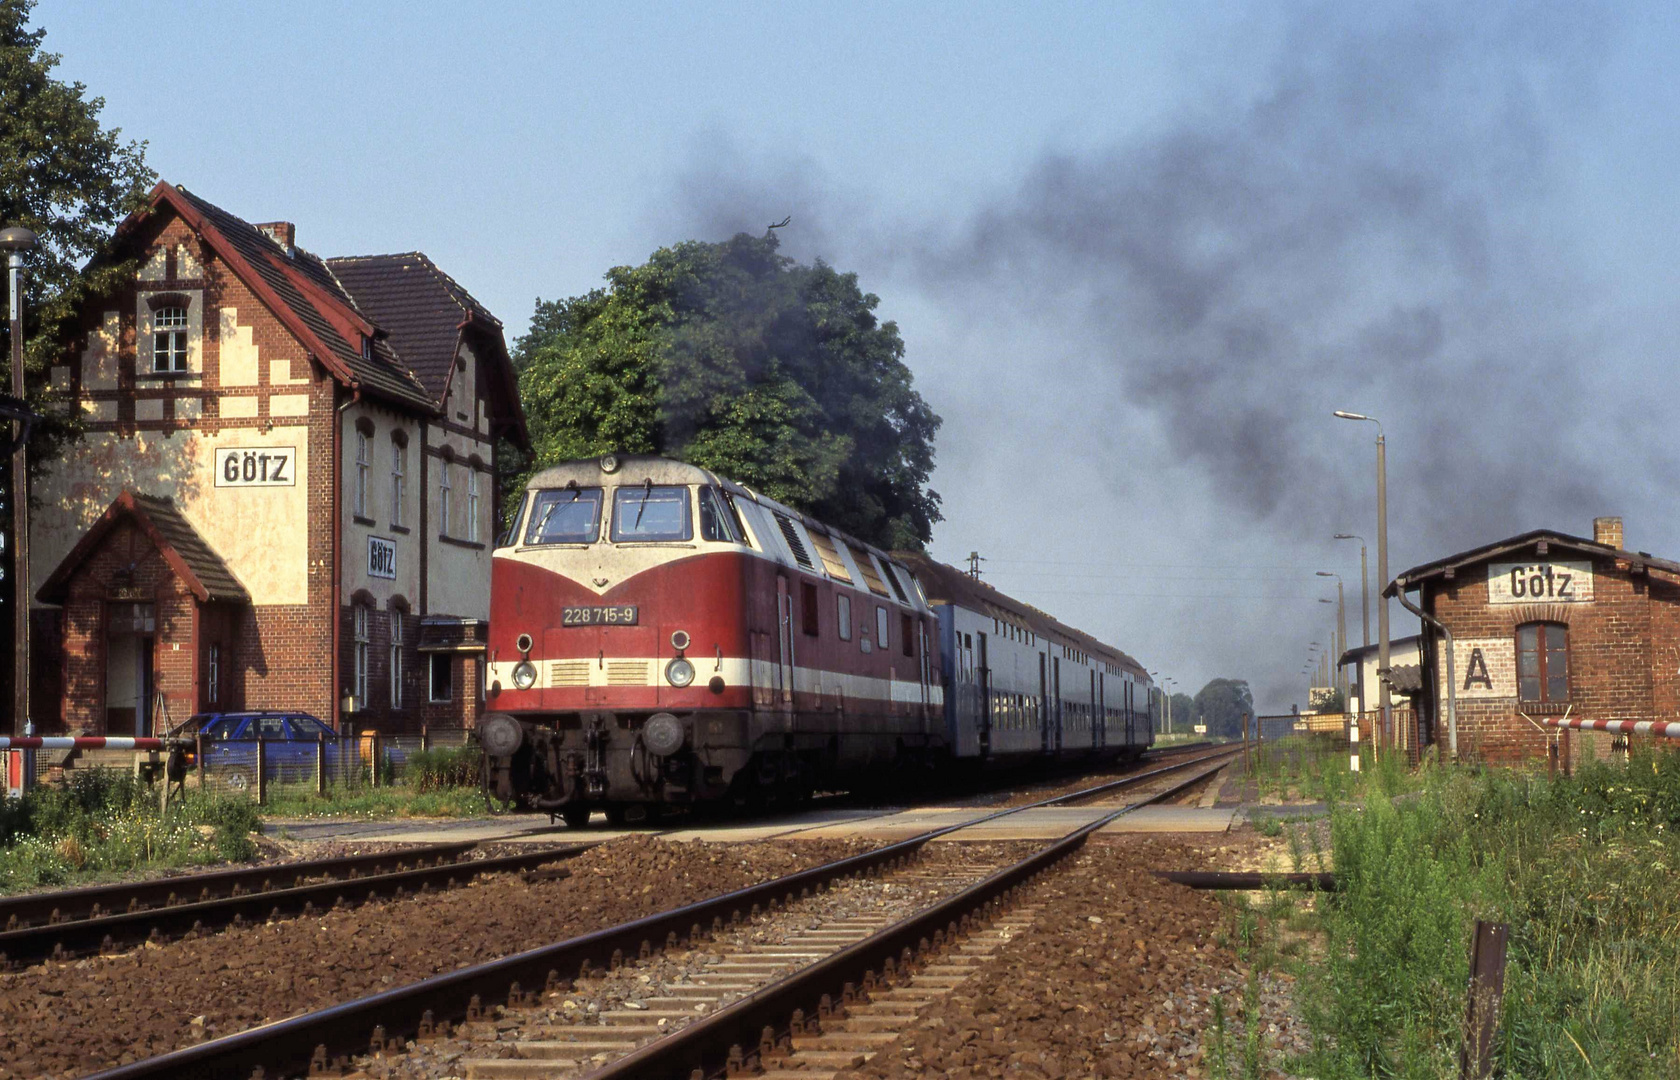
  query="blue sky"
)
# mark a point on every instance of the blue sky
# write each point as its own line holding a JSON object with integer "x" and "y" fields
{"x": 1137, "y": 252}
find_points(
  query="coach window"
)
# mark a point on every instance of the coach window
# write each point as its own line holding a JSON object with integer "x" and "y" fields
{"x": 570, "y": 515}
{"x": 843, "y": 616}
{"x": 1543, "y": 662}
{"x": 881, "y": 638}
{"x": 647, "y": 512}
{"x": 808, "y": 609}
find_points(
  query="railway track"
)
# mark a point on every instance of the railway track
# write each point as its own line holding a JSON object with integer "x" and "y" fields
{"x": 845, "y": 968}
{"x": 107, "y": 918}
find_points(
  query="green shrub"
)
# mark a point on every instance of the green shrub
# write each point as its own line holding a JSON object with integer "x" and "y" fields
{"x": 434, "y": 770}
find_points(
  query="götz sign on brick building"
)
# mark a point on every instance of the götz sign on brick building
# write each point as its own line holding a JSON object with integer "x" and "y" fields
{"x": 1540, "y": 583}
{"x": 382, "y": 558}
{"x": 259, "y": 466}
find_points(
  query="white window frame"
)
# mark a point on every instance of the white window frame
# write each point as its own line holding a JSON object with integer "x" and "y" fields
{"x": 399, "y": 479}
{"x": 396, "y": 617}
{"x": 471, "y": 532}
{"x": 843, "y": 615}
{"x": 169, "y": 340}
{"x": 213, "y": 674}
{"x": 445, "y": 491}
{"x": 359, "y": 506}
{"x": 882, "y": 628}
{"x": 359, "y": 631}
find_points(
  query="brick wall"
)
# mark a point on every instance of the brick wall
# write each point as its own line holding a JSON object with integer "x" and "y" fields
{"x": 1624, "y": 653}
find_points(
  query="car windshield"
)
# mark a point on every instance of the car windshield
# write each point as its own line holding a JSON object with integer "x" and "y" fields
{"x": 566, "y": 516}
{"x": 224, "y": 728}
{"x": 650, "y": 512}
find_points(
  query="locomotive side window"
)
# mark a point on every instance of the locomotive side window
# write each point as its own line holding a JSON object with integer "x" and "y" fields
{"x": 843, "y": 616}
{"x": 566, "y": 516}
{"x": 716, "y": 523}
{"x": 907, "y": 630}
{"x": 512, "y": 528}
{"x": 881, "y": 627}
{"x": 651, "y": 512}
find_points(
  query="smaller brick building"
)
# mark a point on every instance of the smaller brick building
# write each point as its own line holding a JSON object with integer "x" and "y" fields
{"x": 1546, "y": 624}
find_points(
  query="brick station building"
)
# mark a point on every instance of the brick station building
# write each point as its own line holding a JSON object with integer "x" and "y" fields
{"x": 285, "y": 493}
{"x": 1546, "y": 625}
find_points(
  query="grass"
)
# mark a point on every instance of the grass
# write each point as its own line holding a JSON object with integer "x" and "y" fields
{"x": 382, "y": 803}
{"x": 101, "y": 823}
{"x": 1582, "y": 871}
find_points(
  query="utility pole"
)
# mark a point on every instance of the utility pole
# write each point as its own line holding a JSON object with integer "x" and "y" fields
{"x": 974, "y": 561}
{"x": 14, "y": 242}
{"x": 1384, "y": 697}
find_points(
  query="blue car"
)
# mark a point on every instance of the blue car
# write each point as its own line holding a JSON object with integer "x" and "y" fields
{"x": 290, "y": 738}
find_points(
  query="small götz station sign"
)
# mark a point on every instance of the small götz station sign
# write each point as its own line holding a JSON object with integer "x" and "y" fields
{"x": 1540, "y": 583}
{"x": 382, "y": 558}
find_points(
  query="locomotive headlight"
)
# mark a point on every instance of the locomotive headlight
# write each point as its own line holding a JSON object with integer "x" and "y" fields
{"x": 679, "y": 673}
{"x": 524, "y": 674}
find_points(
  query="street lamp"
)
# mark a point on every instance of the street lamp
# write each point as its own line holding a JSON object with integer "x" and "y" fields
{"x": 15, "y": 241}
{"x": 1382, "y": 566}
{"x": 1364, "y": 584}
{"x": 1341, "y": 627}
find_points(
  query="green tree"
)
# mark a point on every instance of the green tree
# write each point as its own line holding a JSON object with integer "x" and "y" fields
{"x": 1225, "y": 705}
{"x": 71, "y": 181}
{"x": 1183, "y": 711}
{"x": 734, "y": 357}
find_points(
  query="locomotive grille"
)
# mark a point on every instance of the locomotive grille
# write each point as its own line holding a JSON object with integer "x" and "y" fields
{"x": 568, "y": 673}
{"x": 627, "y": 673}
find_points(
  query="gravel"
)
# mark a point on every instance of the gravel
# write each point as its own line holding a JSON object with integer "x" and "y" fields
{"x": 75, "y": 1018}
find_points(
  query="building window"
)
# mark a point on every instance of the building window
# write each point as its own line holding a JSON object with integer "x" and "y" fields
{"x": 361, "y": 474}
{"x": 445, "y": 494}
{"x": 399, "y": 476}
{"x": 359, "y": 624}
{"x": 213, "y": 675}
{"x": 471, "y": 532}
{"x": 843, "y": 616}
{"x": 1543, "y": 662}
{"x": 442, "y": 680}
{"x": 169, "y": 339}
{"x": 396, "y": 617}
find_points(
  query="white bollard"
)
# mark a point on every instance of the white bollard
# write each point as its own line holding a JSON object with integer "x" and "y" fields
{"x": 1353, "y": 746}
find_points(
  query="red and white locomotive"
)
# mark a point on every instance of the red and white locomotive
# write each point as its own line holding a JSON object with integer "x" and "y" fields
{"x": 661, "y": 635}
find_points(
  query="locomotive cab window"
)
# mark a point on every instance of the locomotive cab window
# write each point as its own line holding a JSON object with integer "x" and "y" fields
{"x": 651, "y": 512}
{"x": 843, "y": 616}
{"x": 1543, "y": 662}
{"x": 717, "y": 522}
{"x": 566, "y": 516}
{"x": 881, "y": 627}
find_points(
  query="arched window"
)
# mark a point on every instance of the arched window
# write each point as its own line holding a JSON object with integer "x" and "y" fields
{"x": 363, "y": 641}
{"x": 446, "y": 491}
{"x": 1543, "y": 662}
{"x": 396, "y": 613}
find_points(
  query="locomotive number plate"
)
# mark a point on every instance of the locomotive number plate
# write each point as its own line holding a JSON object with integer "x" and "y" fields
{"x": 612, "y": 615}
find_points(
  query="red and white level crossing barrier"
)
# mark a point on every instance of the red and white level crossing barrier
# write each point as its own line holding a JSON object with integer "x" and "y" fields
{"x": 84, "y": 742}
{"x": 1668, "y": 729}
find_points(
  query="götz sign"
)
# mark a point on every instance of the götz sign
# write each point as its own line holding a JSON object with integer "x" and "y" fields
{"x": 1540, "y": 583}
{"x": 257, "y": 466}
{"x": 382, "y": 558}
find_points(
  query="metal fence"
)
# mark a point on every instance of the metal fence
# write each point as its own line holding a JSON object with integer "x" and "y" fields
{"x": 260, "y": 767}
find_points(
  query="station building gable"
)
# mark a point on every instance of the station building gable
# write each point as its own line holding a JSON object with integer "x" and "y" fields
{"x": 1547, "y": 624}
{"x": 247, "y": 405}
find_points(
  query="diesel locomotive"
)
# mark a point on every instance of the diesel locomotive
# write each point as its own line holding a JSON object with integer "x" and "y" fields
{"x": 662, "y": 635}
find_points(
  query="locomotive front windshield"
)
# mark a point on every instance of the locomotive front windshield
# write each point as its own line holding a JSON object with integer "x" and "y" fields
{"x": 651, "y": 512}
{"x": 566, "y": 516}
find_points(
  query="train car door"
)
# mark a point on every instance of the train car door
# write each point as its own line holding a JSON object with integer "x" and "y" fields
{"x": 985, "y": 711}
{"x": 784, "y": 644}
{"x": 1043, "y": 704}
{"x": 1126, "y": 698}
{"x": 1097, "y": 719}
{"x": 1054, "y": 742}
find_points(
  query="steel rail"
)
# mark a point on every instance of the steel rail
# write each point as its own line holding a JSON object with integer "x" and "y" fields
{"x": 765, "y": 1019}
{"x": 322, "y": 1040}
{"x": 109, "y": 932}
{"x": 1240, "y": 879}
{"x": 33, "y": 909}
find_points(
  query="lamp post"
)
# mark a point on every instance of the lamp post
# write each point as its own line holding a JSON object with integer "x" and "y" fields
{"x": 1364, "y": 585}
{"x": 1341, "y": 629}
{"x": 1383, "y": 697}
{"x": 15, "y": 241}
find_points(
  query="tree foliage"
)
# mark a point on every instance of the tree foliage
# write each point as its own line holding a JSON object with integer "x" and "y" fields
{"x": 1183, "y": 712}
{"x": 734, "y": 357}
{"x": 71, "y": 181}
{"x": 1225, "y": 705}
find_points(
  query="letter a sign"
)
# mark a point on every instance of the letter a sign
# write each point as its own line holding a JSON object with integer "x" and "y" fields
{"x": 1476, "y": 674}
